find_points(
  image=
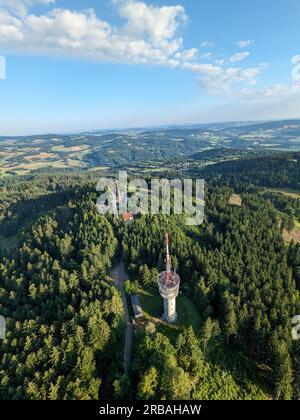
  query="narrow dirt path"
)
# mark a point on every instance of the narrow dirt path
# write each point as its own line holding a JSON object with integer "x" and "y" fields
{"x": 119, "y": 276}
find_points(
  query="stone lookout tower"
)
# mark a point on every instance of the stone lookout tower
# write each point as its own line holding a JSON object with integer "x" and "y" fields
{"x": 168, "y": 283}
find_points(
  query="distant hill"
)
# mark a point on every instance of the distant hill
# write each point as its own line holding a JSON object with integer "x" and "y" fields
{"x": 223, "y": 153}
{"x": 273, "y": 171}
{"x": 24, "y": 154}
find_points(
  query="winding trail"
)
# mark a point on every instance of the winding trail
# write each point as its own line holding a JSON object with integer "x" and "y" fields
{"x": 119, "y": 276}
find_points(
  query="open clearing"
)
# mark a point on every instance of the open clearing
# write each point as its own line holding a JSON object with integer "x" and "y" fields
{"x": 41, "y": 156}
{"x": 235, "y": 200}
{"x": 294, "y": 235}
{"x": 100, "y": 168}
{"x": 68, "y": 149}
{"x": 152, "y": 306}
{"x": 39, "y": 165}
{"x": 289, "y": 192}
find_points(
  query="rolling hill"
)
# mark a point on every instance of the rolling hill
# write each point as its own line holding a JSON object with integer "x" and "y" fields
{"x": 25, "y": 154}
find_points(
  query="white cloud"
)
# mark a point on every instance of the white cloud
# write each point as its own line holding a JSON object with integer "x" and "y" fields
{"x": 207, "y": 44}
{"x": 239, "y": 57}
{"x": 225, "y": 80}
{"x": 281, "y": 91}
{"x": 207, "y": 56}
{"x": 296, "y": 59}
{"x": 147, "y": 34}
{"x": 159, "y": 23}
{"x": 20, "y": 7}
{"x": 296, "y": 69}
{"x": 187, "y": 55}
{"x": 245, "y": 43}
{"x": 272, "y": 93}
{"x": 278, "y": 92}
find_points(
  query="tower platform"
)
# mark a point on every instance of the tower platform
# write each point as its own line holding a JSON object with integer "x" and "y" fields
{"x": 168, "y": 284}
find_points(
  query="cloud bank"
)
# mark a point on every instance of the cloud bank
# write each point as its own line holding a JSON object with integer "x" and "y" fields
{"x": 147, "y": 35}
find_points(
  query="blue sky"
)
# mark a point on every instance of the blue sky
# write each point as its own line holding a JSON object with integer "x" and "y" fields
{"x": 75, "y": 65}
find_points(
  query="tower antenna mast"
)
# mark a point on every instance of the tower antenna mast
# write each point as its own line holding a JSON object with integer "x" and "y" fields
{"x": 168, "y": 283}
{"x": 168, "y": 258}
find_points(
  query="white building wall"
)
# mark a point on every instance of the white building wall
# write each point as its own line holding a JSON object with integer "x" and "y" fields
{"x": 170, "y": 309}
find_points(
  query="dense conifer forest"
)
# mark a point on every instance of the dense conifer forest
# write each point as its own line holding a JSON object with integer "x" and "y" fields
{"x": 65, "y": 317}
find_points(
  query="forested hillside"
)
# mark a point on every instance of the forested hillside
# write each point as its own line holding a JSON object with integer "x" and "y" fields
{"x": 279, "y": 170}
{"x": 63, "y": 317}
{"x": 236, "y": 269}
{"x": 239, "y": 278}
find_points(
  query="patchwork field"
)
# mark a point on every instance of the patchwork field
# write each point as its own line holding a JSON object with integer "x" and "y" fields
{"x": 199, "y": 146}
{"x": 24, "y": 160}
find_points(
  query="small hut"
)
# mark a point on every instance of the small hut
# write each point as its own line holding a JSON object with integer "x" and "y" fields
{"x": 136, "y": 306}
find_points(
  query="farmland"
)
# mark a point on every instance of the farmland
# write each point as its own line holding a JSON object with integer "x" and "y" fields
{"x": 152, "y": 151}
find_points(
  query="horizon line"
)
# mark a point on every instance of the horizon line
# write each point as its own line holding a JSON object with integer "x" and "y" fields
{"x": 147, "y": 127}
